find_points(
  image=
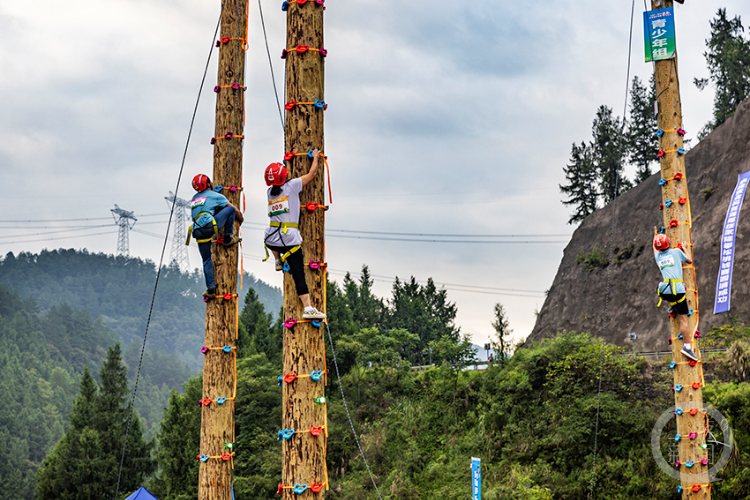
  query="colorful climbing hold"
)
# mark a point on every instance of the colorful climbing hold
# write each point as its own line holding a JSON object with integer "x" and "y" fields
{"x": 288, "y": 155}
{"x": 660, "y": 153}
{"x": 662, "y": 181}
{"x": 673, "y": 223}
{"x": 315, "y": 264}
{"x": 287, "y": 434}
{"x": 692, "y": 362}
{"x": 681, "y": 151}
{"x": 697, "y": 334}
{"x": 316, "y": 375}
{"x": 289, "y": 323}
{"x": 672, "y": 365}
{"x": 315, "y": 431}
{"x": 678, "y": 388}
{"x": 678, "y": 411}
{"x": 689, "y": 463}
{"x": 320, "y": 400}
{"x": 659, "y": 133}
{"x": 696, "y": 385}
{"x": 227, "y": 348}
{"x": 316, "y": 487}
{"x": 226, "y": 457}
{"x": 320, "y": 104}
{"x": 677, "y": 437}
{"x": 680, "y": 131}
{"x": 286, "y": 267}
{"x": 203, "y": 458}
{"x": 311, "y": 206}
{"x": 221, "y": 401}
{"x": 696, "y": 487}
{"x": 694, "y": 411}
{"x": 300, "y": 488}
{"x": 281, "y": 379}
{"x": 682, "y": 201}
{"x": 704, "y": 461}
{"x": 693, "y": 435}
{"x": 668, "y": 203}
{"x": 204, "y": 350}
{"x": 316, "y": 322}
{"x": 678, "y": 176}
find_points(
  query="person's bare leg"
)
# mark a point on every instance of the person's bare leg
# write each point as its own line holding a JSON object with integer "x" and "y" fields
{"x": 305, "y": 300}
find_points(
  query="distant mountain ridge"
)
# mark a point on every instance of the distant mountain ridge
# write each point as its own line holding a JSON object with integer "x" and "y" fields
{"x": 576, "y": 300}
{"x": 119, "y": 289}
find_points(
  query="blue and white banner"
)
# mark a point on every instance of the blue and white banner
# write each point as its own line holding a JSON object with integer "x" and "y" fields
{"x": 476, "y": 478}
{"x": 724, "y": 281}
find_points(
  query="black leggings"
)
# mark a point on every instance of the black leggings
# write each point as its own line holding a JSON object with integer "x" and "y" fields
{"x": 296, "y": 266}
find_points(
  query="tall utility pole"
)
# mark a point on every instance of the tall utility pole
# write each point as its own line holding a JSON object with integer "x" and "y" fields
{"x": 304, "y": 344}
{"x": 220, "y": 351}
{"x": 125, "y": 219}
{"x": 179, "y": 254}
{"x": 688, "y": 379}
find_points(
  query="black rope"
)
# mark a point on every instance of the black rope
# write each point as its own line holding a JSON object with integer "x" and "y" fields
{"x": 161, "y": 259}
{"x": 610, "y": 253}
{"x": 270, "y": 64}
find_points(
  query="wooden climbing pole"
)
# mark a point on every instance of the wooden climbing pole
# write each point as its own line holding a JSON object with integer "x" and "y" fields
{"x": 220, "y": 352}
{"x": 304, "y": 454}
{"x": 688, "y": 378}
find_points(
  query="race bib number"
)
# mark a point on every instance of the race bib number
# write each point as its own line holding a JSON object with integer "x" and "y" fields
{"x": 197, "y": 202}
{"x": 278, "y": 206}
{"x": 666, "y": 262}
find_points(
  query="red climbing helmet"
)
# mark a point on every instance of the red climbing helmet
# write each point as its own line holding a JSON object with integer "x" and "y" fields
{"x": 661, "y": 242}
{"x": 200, "y": 182}
{"x": 276, "y": 174}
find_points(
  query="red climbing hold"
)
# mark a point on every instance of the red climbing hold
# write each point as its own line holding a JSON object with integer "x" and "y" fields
{"x": 661, "y": 206}
{"x": 281, "y": 488}
{"x": 696, "y": 487}
{"x": 672, "y": 315}
{"x": 315, "y": 431}
{"x": 290, "y": 105}
{"x": 660, "y": 154}
{"x": 289, "y": 155}
{"x": 290, "y": 377}
{"x": 226, "y": 457}
{"x": 696, "y": 385}
{"x": 302, "y": 48}
{"x": 315, "y": 487}
{"x": 206, "y": 402}
{"x": 693, "y": 412}
{"x": 283, "y": 54}
{"x": 678, "y": 176}
{"x": 682, "y": 201}
{"x": 228, "y": 296}
{"x": 311, "y": 206}
{"x": 692, "y": 362}
{"x": 673, "y": 223}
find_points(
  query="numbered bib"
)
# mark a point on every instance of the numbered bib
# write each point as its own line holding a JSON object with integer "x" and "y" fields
{"x": 667, "y": 261}
{"x": 278, "y": 206}
{"x": 197, "y": 202}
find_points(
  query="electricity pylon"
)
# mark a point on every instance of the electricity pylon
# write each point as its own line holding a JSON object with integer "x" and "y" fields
{"x": 122, "y": 219}
{"x": 179, "y": 253}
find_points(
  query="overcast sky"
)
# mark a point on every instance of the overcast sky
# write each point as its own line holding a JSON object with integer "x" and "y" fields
{"x": 446, "y": 117}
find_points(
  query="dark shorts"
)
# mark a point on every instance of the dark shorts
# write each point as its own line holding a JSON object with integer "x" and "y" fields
{"x": 680, "y": 307}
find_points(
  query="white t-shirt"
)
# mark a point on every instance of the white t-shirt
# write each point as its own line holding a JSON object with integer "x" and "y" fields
{"x": 284, "y": 208}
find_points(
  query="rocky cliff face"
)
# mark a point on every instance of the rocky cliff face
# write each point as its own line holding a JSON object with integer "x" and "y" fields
{"x": 576, "y": 300}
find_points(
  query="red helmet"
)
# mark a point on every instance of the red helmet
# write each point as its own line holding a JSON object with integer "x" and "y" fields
{"x": 661, "y": 242}
{"x": 200, "y": 182}
{"x": 276, "y": 174}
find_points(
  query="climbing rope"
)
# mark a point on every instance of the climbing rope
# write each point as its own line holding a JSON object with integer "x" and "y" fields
{"x": 348, "y": 415}
{"x": 609, "y": 257}
{"x": 161, "y": 258}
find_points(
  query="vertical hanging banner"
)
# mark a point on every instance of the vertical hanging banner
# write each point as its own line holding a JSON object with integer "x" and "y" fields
{"x": 658, "y": 34}
{"x": 476, "y": 478}
{"x": 724, "y": 280}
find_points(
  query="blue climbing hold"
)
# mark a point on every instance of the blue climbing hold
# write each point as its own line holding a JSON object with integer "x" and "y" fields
{"x": 681, "y": 151}
{"x": 678, "y": 387}
{"x": 221, "y": 401}
{"x": 300, "y": 488}
{"x": 668, "y": 203}
{"x": 679, "y": 336}
{"x": 689, "y": 463}
{"x": 672, "y": 365}
{"x": 288, "y": 433}
{"x": 316, "y": 375}
{"x": 678, "y": 411}
{"x": 281, "y": 377}
{"x": 284, "y": 6}
{"x": 218, "y": 189}
{"x": 204, "y": 458}
{"x": 227, "y": 348}
{"x": 679, "y": 489}
{"x": 690, "y": 313}
{"x": 309, "y": 153}
{"x": 280, "y": 433}
{"x": 316, "y": 322}
{"x": 320, "y": 103}
{"x": 662, "y": 182}
{"x": 286, "y": 267}
{"x": 677, "y": 437}
{"x": 659, "y": 132}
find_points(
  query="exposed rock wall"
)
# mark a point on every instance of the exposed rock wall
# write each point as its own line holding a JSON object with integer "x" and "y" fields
{"x": 576, "y": 300}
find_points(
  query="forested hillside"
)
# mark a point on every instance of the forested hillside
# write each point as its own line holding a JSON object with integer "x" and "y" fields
{"x": 118, "y": 290}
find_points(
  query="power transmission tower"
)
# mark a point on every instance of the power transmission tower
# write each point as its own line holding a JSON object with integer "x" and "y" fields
{"x": 179, "y": 254}
{"x": 122, "y": 219}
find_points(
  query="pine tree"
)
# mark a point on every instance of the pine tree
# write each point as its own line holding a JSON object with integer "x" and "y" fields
{"x": 502, "y": 332}
{"x": 86, "y": 462}
{"x": 581, "y": 187}
{"x": 255, "y": 330}
{"x": 641, "y": 140}
{"x": 606, "y": 151}
{"x": 728, "y": 58}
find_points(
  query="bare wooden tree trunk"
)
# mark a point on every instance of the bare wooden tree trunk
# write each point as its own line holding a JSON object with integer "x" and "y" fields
{"x": 219, "y": 367}
{"x": 673, "y": 163}
{"x": 304, "y": 345}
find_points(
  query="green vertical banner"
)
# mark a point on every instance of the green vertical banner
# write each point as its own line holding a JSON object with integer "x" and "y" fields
{"x": 658, "y": 32}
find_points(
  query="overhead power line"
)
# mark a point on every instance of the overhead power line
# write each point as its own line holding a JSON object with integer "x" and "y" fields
{"x": 41, "y": 221}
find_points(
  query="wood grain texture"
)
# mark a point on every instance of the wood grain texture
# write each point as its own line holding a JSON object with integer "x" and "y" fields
{"x": 670, "y": 118}
{"x": 304, "y": 346}
{"x": 217, "y": 421}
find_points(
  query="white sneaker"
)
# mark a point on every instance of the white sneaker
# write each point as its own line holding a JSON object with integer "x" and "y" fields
{"x": 313, "y": 313}
{"x": 279, "y": 265}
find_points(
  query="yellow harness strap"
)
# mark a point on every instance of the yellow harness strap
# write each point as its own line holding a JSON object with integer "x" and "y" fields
{"x": 204, "y": 240}
{"x": 672, "y": 286}
{"x": 285, "y": 225}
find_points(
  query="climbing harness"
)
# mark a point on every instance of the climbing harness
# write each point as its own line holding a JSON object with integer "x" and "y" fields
{"x": 671, "y": 283}
{"x": 202, "y": 240}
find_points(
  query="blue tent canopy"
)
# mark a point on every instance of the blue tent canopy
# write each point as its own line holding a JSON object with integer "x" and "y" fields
{"x": 141, "y": 494}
